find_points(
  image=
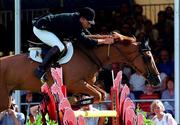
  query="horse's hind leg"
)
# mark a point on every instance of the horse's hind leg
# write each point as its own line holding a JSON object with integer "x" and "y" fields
{"x": 4, "y": 99}
{"x": 85, "y": 88}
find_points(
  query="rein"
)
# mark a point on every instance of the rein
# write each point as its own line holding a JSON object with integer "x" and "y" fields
{"x": 149, "y": 75}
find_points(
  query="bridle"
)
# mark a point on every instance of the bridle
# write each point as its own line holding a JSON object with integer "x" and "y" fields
{"x": 143, "y": 49}
{"x": 150, "y": 76}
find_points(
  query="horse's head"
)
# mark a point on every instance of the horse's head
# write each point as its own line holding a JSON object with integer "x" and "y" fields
{"x": 151, "y": 74}
{"x": 138, "y": 56}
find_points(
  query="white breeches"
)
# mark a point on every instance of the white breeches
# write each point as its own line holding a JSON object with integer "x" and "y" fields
{"x": 48, "y": 38}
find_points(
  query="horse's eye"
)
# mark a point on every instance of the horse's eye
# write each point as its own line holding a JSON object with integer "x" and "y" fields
{"x": 146, "y": 58}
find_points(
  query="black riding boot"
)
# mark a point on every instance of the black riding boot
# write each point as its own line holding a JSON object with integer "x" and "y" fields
{"x": 52, "y": 56}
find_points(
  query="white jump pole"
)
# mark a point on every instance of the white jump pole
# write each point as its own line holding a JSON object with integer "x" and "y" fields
{"x": 103, "y": 113}
{"x": 17, "y": 39}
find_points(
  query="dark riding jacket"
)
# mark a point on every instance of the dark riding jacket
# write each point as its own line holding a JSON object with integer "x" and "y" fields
{"x": 65, "y": 25}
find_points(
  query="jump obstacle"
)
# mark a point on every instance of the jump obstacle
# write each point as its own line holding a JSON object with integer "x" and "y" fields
{"x": 118, "y": 110}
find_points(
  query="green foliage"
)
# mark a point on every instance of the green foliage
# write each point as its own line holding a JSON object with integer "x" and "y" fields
{"x": 39, "y": 121}
{"x": 146, "y": 121}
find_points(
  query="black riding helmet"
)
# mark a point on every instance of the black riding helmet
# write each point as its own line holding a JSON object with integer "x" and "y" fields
{"x": 88, "y": 13}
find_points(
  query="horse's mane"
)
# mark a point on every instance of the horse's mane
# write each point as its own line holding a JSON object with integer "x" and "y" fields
{"x": 125, "y": 40}
{"x": 4, "y": 57}
{"x": 12, "y": 56}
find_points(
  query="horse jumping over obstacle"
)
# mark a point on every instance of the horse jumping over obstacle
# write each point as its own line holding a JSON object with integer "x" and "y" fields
{"x": 121, "y": 104}
{"x": 16, "y": 72}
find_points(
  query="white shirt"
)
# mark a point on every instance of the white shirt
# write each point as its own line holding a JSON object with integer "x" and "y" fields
{"x": 137, "y": 81}
{"x": 166, "y": 120}
{"x": 92, "y": 121}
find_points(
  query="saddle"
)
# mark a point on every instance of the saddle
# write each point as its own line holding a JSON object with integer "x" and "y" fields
{"x": 38, "y": 49}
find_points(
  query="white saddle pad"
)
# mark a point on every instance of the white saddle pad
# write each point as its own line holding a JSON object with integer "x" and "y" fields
{"x": 35, "y": 54}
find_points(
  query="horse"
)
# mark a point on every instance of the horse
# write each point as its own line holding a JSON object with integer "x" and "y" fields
{"x": 17, "y": 71}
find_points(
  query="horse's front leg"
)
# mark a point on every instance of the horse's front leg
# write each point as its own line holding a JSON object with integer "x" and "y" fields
{"x": 102, "y": 91}
{"x": 98, "y": 95}
{"x": 85, "y": 88}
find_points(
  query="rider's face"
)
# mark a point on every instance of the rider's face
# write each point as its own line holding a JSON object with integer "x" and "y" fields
{"x": 85, "y": 23}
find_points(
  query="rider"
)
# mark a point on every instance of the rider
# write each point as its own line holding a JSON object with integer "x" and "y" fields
{"x": 51, "y": 28}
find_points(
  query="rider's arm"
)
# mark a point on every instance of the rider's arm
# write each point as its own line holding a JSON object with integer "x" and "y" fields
{"x": 106, "y": 41}
{"x": 98, "y": 36}
{"x": 93, "y": 42}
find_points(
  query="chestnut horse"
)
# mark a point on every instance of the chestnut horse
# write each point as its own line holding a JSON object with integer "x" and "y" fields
{"x": 17, "y": 71}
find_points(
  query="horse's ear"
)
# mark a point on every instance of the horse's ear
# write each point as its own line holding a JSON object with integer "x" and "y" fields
{"x": 145, "y": 44}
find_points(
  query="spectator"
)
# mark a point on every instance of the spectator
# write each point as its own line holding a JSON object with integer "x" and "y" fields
{"x": 137, "y": 82}
{"x": 138, "y": 10}
{"x": 11, "y": 116}
{"x": 124, "y": 81}
{"x": 151, "y": 32}
{"x": 148, "y": 94}
{"x": 131, "y": 22}
{"x": 124, "y": 10}
{"x": 90, "y": 121}
{"x": 168, "y": 36}
{"x": 160, "y": 117}
{"x": 157, "y": 47}
{"x": 161, "y": 23}
{"x": 170, "y": 14}
{"x": 165, "y": 64}
{"x": 127, "y": 70}
{"x": 34, "y": 111}
{"x": 169, "y": 93}
{"x": 93, "y": 107}
{"x": 29, "y": 97}
{"x": 163, "y": 77}
{"x": 126, "y": 29}
{"x": 139, "y": 25}
{"x": 161, "y": 86}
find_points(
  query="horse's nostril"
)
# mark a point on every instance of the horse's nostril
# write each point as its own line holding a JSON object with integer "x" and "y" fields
{"x": 155, "y": 81}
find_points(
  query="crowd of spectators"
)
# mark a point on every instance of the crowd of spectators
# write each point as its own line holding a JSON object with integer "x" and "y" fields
{"x": 130, "y": 21}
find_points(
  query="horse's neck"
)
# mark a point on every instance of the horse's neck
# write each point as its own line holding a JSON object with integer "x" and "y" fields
{"x": 116, "y": 53}
{"x": 106, "y": 54}
{"x": 89, "y": 54}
